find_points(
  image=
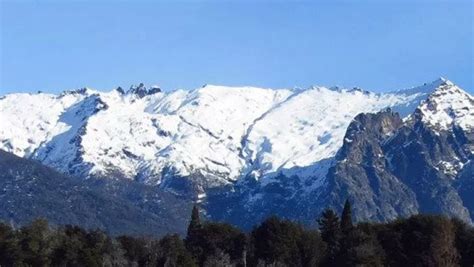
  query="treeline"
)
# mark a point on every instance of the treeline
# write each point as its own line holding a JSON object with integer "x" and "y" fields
{"x": 421, "y": 240}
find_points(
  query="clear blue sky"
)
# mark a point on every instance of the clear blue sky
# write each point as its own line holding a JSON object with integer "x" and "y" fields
{"x": 377, "y": 45}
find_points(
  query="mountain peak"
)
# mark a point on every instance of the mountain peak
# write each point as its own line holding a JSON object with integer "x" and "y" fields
{"x": 441, "y": 80}
{"x": 81, "y": 91}
{"x": 141, "y": 90}
{"x": 448, "y": 106}
{"x": 426, "y": 88}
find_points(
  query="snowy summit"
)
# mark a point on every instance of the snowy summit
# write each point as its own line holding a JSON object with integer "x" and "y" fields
{"x": 221, "y": 133}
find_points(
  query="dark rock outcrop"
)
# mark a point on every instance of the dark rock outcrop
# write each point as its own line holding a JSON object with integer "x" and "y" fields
{"x": 360, "y": 173}
{"x": 389, "y": 168}
{"x": 142, "y": 91}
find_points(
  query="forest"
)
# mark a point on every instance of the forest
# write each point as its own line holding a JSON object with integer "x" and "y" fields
{"x": 421, "y": 240}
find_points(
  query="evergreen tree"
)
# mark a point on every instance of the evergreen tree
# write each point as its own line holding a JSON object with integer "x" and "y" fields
{"x": 420, "y": 240}
{"x": 194, "y": 236}
{"x": 350, "y": 240}
{"x": 391, "y": 239}
{"x": 136, "y": 250}
{"x": 36, "y": 243}
{"x": 346, "y": 218}
{"x": 10, "y": 250}
{"x": 277, "y": 241}
{"x": 330, "y": 228}
{"x": 464, "y": 242}
{"x": 360, "y": 247}
{"x": 195, "y": 223}
{"x": 221, "y": 238}
{"x": 312, "y": 248}
{"x": 173, "y": 253}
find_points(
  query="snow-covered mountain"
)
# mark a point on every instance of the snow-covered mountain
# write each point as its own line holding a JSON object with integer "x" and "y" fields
{"x": 389, "y": 165}
{"x": 219, "y": 140}
{"x": 222, "y": 132}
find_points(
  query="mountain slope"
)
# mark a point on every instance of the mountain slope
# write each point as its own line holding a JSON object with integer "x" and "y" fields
{"x": 388, "y": 166}
{"x": 30, "y": 190}
{"x": 429, "y": 156}
{"x": 219, "y": 134}
{"x": 246, "y": 153}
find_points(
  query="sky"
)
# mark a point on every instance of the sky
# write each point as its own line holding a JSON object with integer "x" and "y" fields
{"x": 376, "y": 45}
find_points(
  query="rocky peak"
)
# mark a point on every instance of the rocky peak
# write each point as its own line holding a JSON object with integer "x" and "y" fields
{"x": 154, "y": 89}
{"x": 141, "y": 90}
{"x": 80, "y": 91}
{"x": 391, "y": 168}
{"x": 447, "y": 107}
{"x": 368, "y": 128}
{"x": 120, "y": 90}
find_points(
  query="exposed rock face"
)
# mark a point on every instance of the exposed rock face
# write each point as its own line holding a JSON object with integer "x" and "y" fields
{"x": 361, "y": 172}
{"x": 390, "y": 169}
{"x": 141, "y": 91}
{"x": 465, "y": 186}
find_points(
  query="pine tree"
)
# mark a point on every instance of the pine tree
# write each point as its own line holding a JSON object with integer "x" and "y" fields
{"x": 195, "y": 223}
{"x": 464, "y": 241}
{"x": 194, "y": 237}
{"x": 349, "y": 238}
{"x": 329, "y": 226}
{"x": 346, "y": 218}
{"x": 277, "y": 241}
{"x": 360, "y": 247}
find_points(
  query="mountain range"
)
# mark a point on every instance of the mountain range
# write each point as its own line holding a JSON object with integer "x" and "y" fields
{"x": 245, "y": 153}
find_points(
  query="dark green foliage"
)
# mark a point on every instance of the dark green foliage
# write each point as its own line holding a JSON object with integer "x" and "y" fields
{"x": 136, "y": 249}
{"x": 193, "y": 237}
{"x": 312, "y": 248}
{"x": 210, "y": 243}
{"x": 346, "y": 218}
{"x": 275, "y": 241}
{"x": 360, "y": 247}
{"x": 219, "y": 238}
{"x": 174, "y": 253}
{"x": 195, "y": 222}
{"x": 194, "y": 228}
{"x": 36, "y": 243}
{"x": 431, "y": 240}
{"x": 278, "y": 241}
{"x": 420, "y": 240}
{"x": 10, "y": 250}
{"x": 77, "y": 247}
{"x": 330, "y": 228}
{"x": 464, "y": 242}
